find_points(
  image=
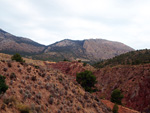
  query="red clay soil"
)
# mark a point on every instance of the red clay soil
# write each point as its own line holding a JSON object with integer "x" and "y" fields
{"x": 70, "y": 68}
{"x": 121, "y": 108}
{"x": 133, "y": 81}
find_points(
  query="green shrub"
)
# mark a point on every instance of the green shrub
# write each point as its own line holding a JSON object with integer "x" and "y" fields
{"x": 84, "y": 64}
{"x": 79, "y": 60}
{"x": 115, "y": 108}
{"x": 3, "y": 86}
{"x": 66, "y": 59}
{"x": 17, "y": 57}
{"x": 116, "y": 96}
{"x": 87, "y": 80}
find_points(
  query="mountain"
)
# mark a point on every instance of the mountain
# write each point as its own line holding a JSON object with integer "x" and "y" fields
{"x": 85, "y": 50}
{"x": 90, "y": 50}
{"x": 12, "y": 44}
{"x": 130, "y": 58}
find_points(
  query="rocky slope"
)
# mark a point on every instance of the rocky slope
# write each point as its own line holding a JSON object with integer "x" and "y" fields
{"x": 42, "y": 90}
{"x": 70, "y": 68}
{"x": 121, "y": 109}
{"x": 133, "y": 81}
{"x": 12, "y": 44}
{"x": 86, "y": 50}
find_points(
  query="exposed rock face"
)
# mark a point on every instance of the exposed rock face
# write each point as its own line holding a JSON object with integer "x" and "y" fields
{"x": 88, "y": 50}
{"x": 13, "y": 44}
{"x": 70, "y": 68}
{"x": 104, "y": 49}
{"x": 133, "y": 81}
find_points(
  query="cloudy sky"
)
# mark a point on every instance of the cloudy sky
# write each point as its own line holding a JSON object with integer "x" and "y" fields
{"x": 48, "y": 21}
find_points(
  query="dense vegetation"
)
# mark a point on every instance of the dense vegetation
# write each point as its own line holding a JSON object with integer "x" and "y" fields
{"x": 116, "y": 96}
{"x": 3, "y": 86}
{"x": 87, "y": 80}
{"x": 130, "y": 58}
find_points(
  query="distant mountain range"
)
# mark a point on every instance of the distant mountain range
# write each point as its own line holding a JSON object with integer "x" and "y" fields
{"x": 85, "y": 50}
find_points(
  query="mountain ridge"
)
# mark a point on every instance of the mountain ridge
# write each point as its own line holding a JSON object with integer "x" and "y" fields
{"x": 85, "y": 50}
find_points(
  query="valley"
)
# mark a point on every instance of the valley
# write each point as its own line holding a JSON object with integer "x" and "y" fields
{"x": 50, "y": 87}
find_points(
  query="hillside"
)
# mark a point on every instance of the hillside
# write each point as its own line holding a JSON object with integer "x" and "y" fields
{"x": 11, "y": 44}
{"x": 130, "y": 58}
{"x": 132, "y": 80}
{"x": 86, "y": 50}
{"x": 44, "y": 91}
{"x": 38, "y": 86}
{"x": 90, "y": 50}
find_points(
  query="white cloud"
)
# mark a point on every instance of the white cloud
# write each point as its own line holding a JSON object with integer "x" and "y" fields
{"x": 53, "y": 20}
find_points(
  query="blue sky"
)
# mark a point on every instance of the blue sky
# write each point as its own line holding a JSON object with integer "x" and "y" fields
{"x": 48, "y": 21}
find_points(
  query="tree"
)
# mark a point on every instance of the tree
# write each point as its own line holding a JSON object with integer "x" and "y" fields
{"x": 116, "y": 96}
{"x": 87, "y": 80}
{"x": 115, "y": 108}
{"x": 3, "y": 86}
{"x": 17, "y": 57}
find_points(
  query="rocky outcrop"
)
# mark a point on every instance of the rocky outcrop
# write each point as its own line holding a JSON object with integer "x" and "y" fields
{"x": 133, "y": 81}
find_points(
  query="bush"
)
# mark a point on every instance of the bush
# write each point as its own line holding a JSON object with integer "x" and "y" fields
{"x": 9, "y": 100}
{"x": 87, "y": 80}
{"x": 17, "y": 57}
{"x": 23, "y": 108}
{"x": 12, "y": 76}
{"x": 115, "y": 108}
{"x": 3, "y": 86}
{"x": 84, "y": 64}
{"x": 65, "y": 59}
{"x": 79, "y": 60}
{"x": 116, "y": 96}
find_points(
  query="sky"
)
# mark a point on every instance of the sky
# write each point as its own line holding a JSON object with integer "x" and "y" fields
{"x": 48, "y": 21}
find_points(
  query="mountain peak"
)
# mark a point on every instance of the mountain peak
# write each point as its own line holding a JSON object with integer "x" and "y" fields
{"x": 88, "y": 49}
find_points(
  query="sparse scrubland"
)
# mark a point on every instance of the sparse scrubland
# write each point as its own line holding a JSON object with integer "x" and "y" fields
{"x": 44, "y": 90}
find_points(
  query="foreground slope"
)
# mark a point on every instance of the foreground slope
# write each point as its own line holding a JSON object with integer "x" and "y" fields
{"x": 44, "y": 90}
